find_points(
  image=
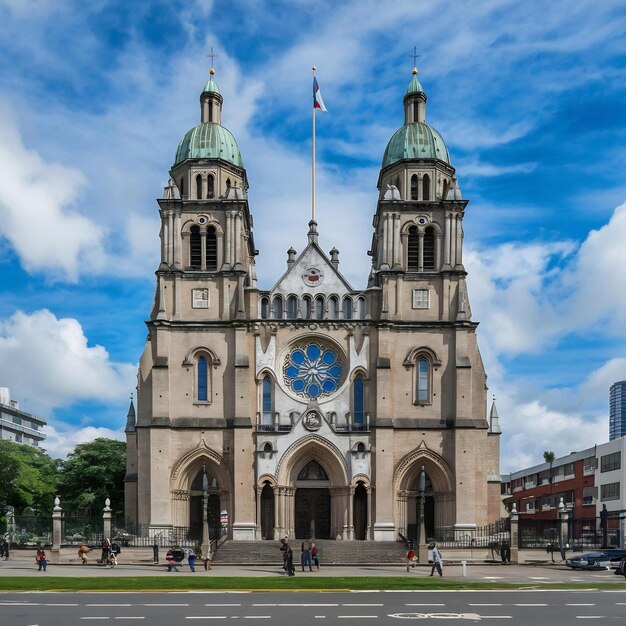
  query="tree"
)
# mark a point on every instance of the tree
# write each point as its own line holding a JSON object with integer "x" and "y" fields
{"x": 548, "y": 457}
{"x": 28, "y": 478}
{"x": 93, "y": 472}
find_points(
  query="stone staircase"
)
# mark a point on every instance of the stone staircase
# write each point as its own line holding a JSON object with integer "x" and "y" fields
{"x": 329, "y": 552}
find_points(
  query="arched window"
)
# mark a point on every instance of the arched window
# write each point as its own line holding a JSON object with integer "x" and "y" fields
{"x": 429, "y": 249}
{"x": 199, "y": 187}
{"x": 292, "y": 308}
{"x": 423, "y": 380}
{"x": 426, "y": 187}
{"x": 265, "y": 308}
{"x": 227, "y": 184}
{"x": 333, "y": 308}
{"x": 362, "y": 311}
{"x": 306, "y": 303}
{"x": 413, "y": 252}
{"x": 211, "y": 249}
{"x": 319, "y": 308}
{"x": 414, "y": 187}
{"x": 182, "y": 186}
{"x": 210, "y": 186}
{"x": 277, "y": 308}
{"x": 267, "y": 399}
{"x": 347, "y": 308}
{"x": 195, "y": 248}
{"x": 203, "y": 379}
{"x": 358, "y": 401}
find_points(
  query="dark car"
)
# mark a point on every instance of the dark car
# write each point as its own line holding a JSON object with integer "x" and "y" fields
{"x": 600, "y": 559}
{"x": 621, "y": 568}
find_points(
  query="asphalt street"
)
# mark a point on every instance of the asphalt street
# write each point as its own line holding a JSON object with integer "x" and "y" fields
{"x": 303, "y": 608}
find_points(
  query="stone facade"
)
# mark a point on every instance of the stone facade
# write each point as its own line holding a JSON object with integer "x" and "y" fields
{"x": 311, "y": 407}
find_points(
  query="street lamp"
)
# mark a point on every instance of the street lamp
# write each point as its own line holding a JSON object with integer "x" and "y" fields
{"x": 422, "y": 550}
{"x": 205, "y": 519}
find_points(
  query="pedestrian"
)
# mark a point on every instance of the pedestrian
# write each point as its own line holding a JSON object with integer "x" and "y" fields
{"x": 305, "y": 558}
{"x": 172, "y": 566}
{"x": 437, "y": 559}
{"x": 106, "y": 548}
{"x": 41, "y": 559}
{"x": 314, "y": 556}
{"x": 505, "y": 551}
{"x": 284, "y": 546}
{"x": 155, "y": 551}
{"x": 82, "y": 552}
{"x": 291, "y": 570}
{"x": 191, "y": 559}
{"x": 410, "y": 558}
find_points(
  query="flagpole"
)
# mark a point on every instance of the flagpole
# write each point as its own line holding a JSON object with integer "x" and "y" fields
{"x": 313, "y": 163}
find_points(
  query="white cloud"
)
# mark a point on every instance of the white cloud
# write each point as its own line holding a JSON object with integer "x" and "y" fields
{"x": 48, "y": 360}
{"x": 476, "y": 167}
{"x": 35, "y": 213}
{"x": 63, "y": 438}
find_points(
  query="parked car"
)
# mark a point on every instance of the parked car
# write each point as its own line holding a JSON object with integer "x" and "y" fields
{"x": 601, "y": 559}
{"x": 621, "y": 568}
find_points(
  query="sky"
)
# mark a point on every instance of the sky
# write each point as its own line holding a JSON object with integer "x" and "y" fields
{"x": 529, "y": 97}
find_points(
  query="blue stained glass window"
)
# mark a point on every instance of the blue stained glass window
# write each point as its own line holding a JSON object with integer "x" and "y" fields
{"x": 313, "y": 370}
{"x": 203, "y": 387}
{"x": 423, "y": 380}
{"x": 357, "y": 391}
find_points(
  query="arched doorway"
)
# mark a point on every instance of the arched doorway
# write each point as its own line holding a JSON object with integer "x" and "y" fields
{"x": 267, "y": 511}
{"x": 359, "y": 508}
{"x": 429, "y": 511}
{"x": 312, "y": 502}
{"x": 196, "y": 505}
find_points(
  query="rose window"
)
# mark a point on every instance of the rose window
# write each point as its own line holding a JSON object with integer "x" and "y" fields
{"x": 313, "y": 370}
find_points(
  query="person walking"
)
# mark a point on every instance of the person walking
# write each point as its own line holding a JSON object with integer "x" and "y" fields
{"x": 284, "y": 546}
{"x": 172, "y": 566}
{"x": 291, "y": 570}
{"x": 305, "y": 559}
{"x": 106, "y": 548}
{"x": 437, "y": 559}
{"x": 314, "y": 556}
{"x": 191, "y": 559}
{"x": 82, "y": 552}
{"x": 42, "y": 559}
{"x": 410, "y": 558}
{"x": 155, "y": 550}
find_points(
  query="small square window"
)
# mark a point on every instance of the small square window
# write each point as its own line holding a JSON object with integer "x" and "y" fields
{"x": 200, "y": 298}
{"x": 421, "y": 299}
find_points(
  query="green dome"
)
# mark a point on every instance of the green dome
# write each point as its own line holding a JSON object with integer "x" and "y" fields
{"x": 414, "y": 86}
{"x": 211, "y": 86}
{"x": 415, "y": 141}
{"x": 208, "y": 141}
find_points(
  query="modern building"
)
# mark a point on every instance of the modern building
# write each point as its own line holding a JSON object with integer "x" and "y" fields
{"x": 310, "y": 407}
{"x": 617, "y": 410}
{"x": 16, "y": 425}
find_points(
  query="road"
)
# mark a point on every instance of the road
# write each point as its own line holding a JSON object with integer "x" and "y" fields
{"x": 303, "y": 608}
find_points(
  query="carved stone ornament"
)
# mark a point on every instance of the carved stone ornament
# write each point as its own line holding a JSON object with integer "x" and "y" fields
{"x": 313, "y": 277}
{"x": 180, "y": 494}
{"x": 312, "y": 420}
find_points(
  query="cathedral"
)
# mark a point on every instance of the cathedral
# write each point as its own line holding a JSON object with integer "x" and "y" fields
{"x": 312, "y": 408}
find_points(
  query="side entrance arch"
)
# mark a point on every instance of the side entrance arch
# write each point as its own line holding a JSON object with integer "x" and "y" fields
{"x": 312, "y": 502}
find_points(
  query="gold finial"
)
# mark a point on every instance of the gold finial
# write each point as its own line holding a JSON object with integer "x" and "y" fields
{"x": 212, "y": 72}
{"x": 414, "y": 71}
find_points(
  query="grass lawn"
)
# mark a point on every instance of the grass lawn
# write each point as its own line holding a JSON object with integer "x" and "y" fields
{"x": 335, "y": 583}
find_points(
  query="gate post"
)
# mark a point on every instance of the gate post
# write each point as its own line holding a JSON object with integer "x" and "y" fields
{"x": 106, "y": 520}
{"x": 514, "y": 534}
{"x": 563, "y": 535}
{"x": 57, "y": 522}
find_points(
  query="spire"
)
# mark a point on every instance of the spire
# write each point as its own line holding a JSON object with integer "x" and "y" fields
{"x": 312, "y": 231}
{"x": 211, "y": 101}
{"x": 130, "y": 417}
{"x": 414, "y": 102}
{"x": 494, "y": 420}
{"x": 454, "y": 193}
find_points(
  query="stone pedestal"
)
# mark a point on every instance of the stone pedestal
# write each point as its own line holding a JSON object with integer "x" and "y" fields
{"x": 514, "y": 536}
{"x": 57, "y": 526}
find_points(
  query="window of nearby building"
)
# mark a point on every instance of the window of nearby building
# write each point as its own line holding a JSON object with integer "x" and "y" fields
{"x": 277, "y": 308}
{"x": 211, "y": 249}
{"x": 421, "y": 299}
{"x": 18, "y": 438}
{"x": 610, "y": 462}
{"x": 265, "y": 308}
{"x": 17, "y": 420}
{"x": 543, "y": 478}
{"x": 414, "y": 187}
{"x": 333, "y": 308}
{"x": 195, "y": 248}
{"x": 423, "y": 380}
{"x": 361, "y": 307}
{"x": 210, "y": 186}
{"x": 200, "y": 298}
{"x": 358, "y": 400}
{"x": 568, "y": 469}
{"x": 347, "y": 308}
{"x": 609, "y": 492}
{"x": 267, "y": 399}
{"x": 306, "y": 303}
{"x": 590, "y": 464}
{"x": 589, "y": 495}
{"x": 203, "y": 379}
{"x": 413, "y": 250}
{"x": 199, "y": 187}
{"x": 319, "y": 308}
{"x": 426, "y": 187}
{"x": 292, "y": 308}
{"x": 530, "y": 506}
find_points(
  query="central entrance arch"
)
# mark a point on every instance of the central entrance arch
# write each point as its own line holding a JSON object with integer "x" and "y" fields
{"x": 312, "y": 503}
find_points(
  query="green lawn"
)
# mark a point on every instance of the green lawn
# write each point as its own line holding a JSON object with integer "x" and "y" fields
{"x": 335, "y": 583}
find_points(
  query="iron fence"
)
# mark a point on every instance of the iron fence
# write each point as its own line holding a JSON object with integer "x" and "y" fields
{"x": 29, "y": 530}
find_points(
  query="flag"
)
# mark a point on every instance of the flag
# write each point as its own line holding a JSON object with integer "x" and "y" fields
{"x": 318, "y": 103}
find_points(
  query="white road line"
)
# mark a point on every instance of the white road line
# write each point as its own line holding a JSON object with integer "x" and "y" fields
{"x": 485, "y": 604}
{"x": 380, "y": 604}
{"x": 590, "y": 617}
{"x": 256, "y": 616}
{"x": 206, "y": 617}
{"x": 225, "y": 604}
{"x": 357, "y": 616}
{"x": 538, "y": 578}
{"x": 294, "y": 604}
{"x": 103, "y": 604}
{"x": 60, "y": 604}
{"x": 492, "y": 577}
{"x": 496, "y": 617}
{"x": 580, "y": 604}
{"x": 531, "y": 604}
{"x": 426, "y": 604}
{"x": 98, "y": 617}
{"x": 164, "y": 604}
{"x": 129, "y": 617}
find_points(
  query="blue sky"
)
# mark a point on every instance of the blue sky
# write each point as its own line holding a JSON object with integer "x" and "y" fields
{"x": 529, "y": 97}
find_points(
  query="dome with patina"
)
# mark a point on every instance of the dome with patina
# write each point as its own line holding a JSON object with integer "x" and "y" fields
{"x": 415, "y": 141}
{"x": 208, "y": 141}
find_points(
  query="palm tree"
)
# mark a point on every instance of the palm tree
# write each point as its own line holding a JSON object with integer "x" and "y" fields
{"x": 548, "y": 457}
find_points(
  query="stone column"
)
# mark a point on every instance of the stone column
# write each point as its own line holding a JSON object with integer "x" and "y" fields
{"x": 57, "y": 523}
{"x": 164, "y": 238}
{"x": 203, "y": 248}
{"x": 229, "y": 237}
{"x": 351, "y": 512}
{"x": 514, "y": 535}
{"x": 446, "y": 243}
{"x": 106, "y": 519}
{"x": 177, "y": 242}
{"x": 237, "y": 229}
{"x": 383, "y": 255}
{"x": 420, "y": 262}
{"x": 258, "y": 513}
{"x": 170, "y": 238}
{"x": 368, "y": 534}
{"x": 563, "y": 534}
{"x": 459, "y": 242}
{"x": 397, "y": 257}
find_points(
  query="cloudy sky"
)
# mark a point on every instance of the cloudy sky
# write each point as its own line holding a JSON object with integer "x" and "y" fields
{"x": 529, "y": 96}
